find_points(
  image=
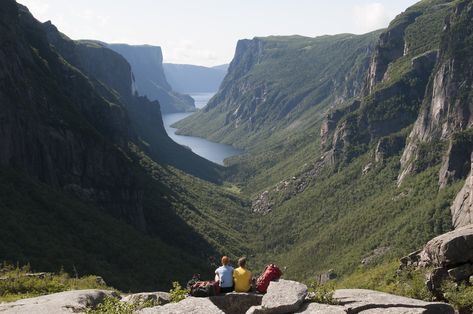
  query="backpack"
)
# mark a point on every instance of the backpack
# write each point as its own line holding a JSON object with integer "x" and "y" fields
{"x": 190, "y": 283}
{"x": 205, "y": 289}
{"x": 271, "y": 273}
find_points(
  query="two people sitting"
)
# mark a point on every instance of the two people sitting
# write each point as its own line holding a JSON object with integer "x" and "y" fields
{"x": 230, "y": 279}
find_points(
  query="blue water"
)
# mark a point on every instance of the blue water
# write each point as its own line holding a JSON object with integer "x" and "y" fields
{"x": 214, "y": 152}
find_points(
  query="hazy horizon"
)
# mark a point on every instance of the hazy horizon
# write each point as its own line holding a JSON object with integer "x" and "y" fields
{"x": 206, "y": 33}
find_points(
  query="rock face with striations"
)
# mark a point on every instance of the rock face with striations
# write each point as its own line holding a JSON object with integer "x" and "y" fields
{"x": 396, "y": 83}
{"x": 446, "y": 116}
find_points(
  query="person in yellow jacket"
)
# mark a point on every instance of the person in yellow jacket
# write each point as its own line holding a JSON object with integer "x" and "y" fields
{"x": 242, "y": 277}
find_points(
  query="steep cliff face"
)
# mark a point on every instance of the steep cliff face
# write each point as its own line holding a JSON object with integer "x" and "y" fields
{"x": 273, "y": 83}
{"x": 446, "y": 115}
{"x": 391, "y": 46}
{"x": 396, "y": 83}
{"x": 57, "y": 129}
{"x": 149, "y": 79}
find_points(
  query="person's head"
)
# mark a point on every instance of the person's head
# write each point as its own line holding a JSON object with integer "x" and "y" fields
{"x": 242, "y": 262}
{"x": 225, "y": 260}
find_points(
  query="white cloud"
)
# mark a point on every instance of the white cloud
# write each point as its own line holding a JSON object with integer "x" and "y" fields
{"x": 370, "y": 16}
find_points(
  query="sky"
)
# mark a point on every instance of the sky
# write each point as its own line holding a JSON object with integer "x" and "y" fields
{"x": 205, "y": 32}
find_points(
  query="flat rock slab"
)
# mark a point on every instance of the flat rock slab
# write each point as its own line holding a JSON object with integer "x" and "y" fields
{"x": 236, "y": 303}
{"x": 317, "y": 308}
{"x": 189, "y": 305}
{"x": 157, "y": 297}
{"x": 449, "y": 249}
{"x": 76, "y": 301}
{"x": 283, "y": 296}
{"x": 368, "y": 301}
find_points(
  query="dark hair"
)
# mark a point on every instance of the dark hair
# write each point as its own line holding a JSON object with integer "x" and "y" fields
{"x": 242, "y": 262}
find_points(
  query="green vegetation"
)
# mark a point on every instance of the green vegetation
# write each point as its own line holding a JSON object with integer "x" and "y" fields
{"x": 177, "y": 292}
{"x": 321, "y": 293}
{"x": 386, "y": 277}
{"x": 19, "y": 282}
{"x": 460, "y": 296}
{"x": 112, "y": 305}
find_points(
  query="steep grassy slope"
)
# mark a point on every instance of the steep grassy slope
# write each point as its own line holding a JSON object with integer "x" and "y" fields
{"x": 80, "y": 190}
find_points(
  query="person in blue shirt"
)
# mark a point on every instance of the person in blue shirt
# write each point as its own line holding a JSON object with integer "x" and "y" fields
{"x": 225, "y": 275}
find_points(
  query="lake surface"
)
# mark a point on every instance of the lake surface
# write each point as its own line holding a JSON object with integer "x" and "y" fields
{"x": 214, "y": 152}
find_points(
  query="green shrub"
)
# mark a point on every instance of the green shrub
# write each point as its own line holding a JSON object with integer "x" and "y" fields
{"x": 460, "y": 296}
{"x": 177, "y": 292}
{"x": 322, "y": 293}
{"x": 112, "y": 305}
{"x": 17, "y": 282}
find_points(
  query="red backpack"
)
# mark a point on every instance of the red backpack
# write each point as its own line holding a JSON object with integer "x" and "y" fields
{"x": 271, "y": 273}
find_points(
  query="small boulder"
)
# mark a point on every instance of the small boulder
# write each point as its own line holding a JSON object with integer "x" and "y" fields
{"x": 449, "y": 249}
{"x": 76, "y": 301}
{"x": 368, "y": 301}
{"x": 236, "y": 303}
{"x": 461, "y": 273}
{"x": 159, "y": 297}
{"x": 283, "y": 296}
{"x": 190, "y": 305}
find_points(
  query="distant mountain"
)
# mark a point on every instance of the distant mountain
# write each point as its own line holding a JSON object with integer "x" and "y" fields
{"x": 186, "y": 78}
{"x": 223, "y": 67}
{"x": 149, "y": 78}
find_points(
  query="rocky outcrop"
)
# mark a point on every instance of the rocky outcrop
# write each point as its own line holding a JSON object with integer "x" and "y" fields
{"x": 283, "y": 296}
{"x": 391, "y": 46}
{"x": 446, "y": 109}
{"x": 189, "y": 305}
{"x": 58, "y": 303}
{"x": 236, "y": 303}
{"x": 159, "y": 297}
{"x": 449, "y": 250}
{"x": 462, "y": 207}
{"x": 360, "y": 129}
{"x": 331, "y": 120}
{"x": 368, "y": 301}
{"x": 450, "y": 256}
